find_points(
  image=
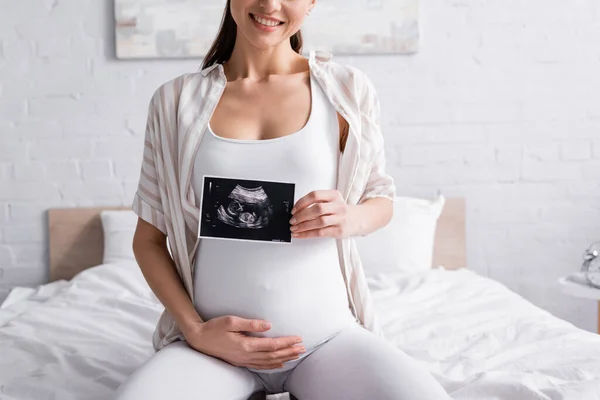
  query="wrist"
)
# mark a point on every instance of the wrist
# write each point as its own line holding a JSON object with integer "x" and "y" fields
{"x": 191, "y": 325}
{"x": 370, "y": 215}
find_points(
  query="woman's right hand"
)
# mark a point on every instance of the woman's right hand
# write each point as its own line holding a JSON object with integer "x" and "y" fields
{"x": 223, "y": 337}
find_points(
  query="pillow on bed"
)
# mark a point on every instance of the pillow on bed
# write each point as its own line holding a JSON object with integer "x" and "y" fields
{"x": 119, "y": 227}
{"x": 406, "y": 243}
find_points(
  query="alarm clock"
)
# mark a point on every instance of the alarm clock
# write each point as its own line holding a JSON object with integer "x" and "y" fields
{"x": 591, "y": 265}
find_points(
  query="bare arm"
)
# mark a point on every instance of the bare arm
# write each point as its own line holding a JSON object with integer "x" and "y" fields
{"x": 325, "y": 213}
{"x": 159, "y": 270}
{"x": 371, "y": 215}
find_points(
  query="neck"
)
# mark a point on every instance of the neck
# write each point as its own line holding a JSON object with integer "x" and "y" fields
{"x": 248, "y": 62}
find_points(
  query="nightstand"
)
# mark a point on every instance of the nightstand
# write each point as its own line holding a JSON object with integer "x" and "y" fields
{"x": 577, "y": 286}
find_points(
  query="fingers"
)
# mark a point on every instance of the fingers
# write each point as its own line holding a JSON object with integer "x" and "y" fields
{"x": 270, "y": 364}
{"x": 330, "y": 231}
{"x": 316, "y": 196}
{"x": 276, "y": 359}
{"x": 255, "y": 344}
{"x": 279, "y": 356}
{"x": 237, "y": 324}
{"x": 270, "y": 353}
{"x": 316, "y": 211}
{"x": 323, "y": 221}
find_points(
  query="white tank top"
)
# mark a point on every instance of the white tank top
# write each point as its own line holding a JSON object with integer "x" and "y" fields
{"x": 296, "y": 286}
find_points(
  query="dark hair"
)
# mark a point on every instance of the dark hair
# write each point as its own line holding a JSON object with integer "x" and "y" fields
{"x": 221, "y": 49}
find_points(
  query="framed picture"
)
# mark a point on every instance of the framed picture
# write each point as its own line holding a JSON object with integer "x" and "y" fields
{"x": 187, "y": 28}
{"x": 241, "y": 209}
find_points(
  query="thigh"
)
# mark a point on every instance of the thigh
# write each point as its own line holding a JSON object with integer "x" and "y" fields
{"x": 357, "y": 364}
{"x": 180, "y": 372}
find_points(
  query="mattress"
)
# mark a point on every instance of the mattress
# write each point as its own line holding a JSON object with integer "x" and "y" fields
{"x": 80, "y": 339}
{"x": 480, "y": 340}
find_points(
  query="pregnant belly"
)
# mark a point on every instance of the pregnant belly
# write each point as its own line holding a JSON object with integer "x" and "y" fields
{"x": 297, "y": 287}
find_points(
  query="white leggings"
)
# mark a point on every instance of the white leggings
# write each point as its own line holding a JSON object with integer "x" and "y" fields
{"x": 353, "y": 365}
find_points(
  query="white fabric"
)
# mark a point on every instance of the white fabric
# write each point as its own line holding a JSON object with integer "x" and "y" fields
{"x": 81, "y": 339}
{"x": 177, "y": 118}
{"x": 354, "y": 365}
{"x": 118, "y": 227}
{"x": 78, "y": 339}
{"x": 483, "y": 341}
{"x": 406, "y": 242}
{"x": 265, "y": 280}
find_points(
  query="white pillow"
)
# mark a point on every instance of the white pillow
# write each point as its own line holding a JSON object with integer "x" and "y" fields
{"x": 406, "y": 242}
{"x": 119, "y": 227}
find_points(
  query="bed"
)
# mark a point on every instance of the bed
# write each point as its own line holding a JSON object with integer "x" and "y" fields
{"x": 477, "y": 338}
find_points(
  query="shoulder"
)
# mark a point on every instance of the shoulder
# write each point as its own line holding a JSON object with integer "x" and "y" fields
{"x": 170, "y": 93}
{"x": 348, "y": 76}
{"x": 169, "y": 111}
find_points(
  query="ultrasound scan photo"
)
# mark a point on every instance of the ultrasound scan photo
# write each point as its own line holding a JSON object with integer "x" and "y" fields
{"x": 240, "y": 209}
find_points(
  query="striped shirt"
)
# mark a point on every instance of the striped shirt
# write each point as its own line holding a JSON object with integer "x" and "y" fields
{"x": 178, "y": 116}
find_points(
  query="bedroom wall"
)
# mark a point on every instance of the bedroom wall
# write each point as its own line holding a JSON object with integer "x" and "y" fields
{"x": 501, "y": 106}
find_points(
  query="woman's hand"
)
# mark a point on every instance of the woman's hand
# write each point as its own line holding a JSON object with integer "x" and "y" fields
{"x": 223, "y": 337}
{"x": 323, "y": 213}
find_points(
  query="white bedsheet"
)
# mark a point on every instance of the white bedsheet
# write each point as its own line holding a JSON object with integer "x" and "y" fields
{"x": 55, "y": 341}
{"x": 483, "y": 341}
{"x": 480, "y": 340}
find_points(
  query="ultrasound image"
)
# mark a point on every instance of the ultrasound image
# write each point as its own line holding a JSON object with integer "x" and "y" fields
{"x": 241, "y": 209}
{"x": 249, "y": 208}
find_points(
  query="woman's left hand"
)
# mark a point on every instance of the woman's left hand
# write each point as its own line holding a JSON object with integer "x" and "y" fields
{"x": 323, "y": 213}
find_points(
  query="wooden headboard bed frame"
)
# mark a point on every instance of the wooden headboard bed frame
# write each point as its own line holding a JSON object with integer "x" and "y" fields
{"x": 76, "y": 240}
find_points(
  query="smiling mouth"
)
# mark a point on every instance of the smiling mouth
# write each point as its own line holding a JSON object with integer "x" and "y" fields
{"x": 266, "y": 22}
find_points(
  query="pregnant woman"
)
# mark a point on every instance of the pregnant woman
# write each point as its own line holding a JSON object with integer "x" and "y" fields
{"x": 245, "y": 318}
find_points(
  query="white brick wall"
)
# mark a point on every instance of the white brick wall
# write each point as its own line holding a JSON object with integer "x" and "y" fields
{"x": 501, "y": 106}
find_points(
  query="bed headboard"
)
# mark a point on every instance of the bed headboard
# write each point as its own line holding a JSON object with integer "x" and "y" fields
{"x": 76, "y": 241}
{"x": 450, "y": 244}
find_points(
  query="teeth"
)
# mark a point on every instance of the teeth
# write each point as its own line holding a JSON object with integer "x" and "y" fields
{"x": 265, "y": 22}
